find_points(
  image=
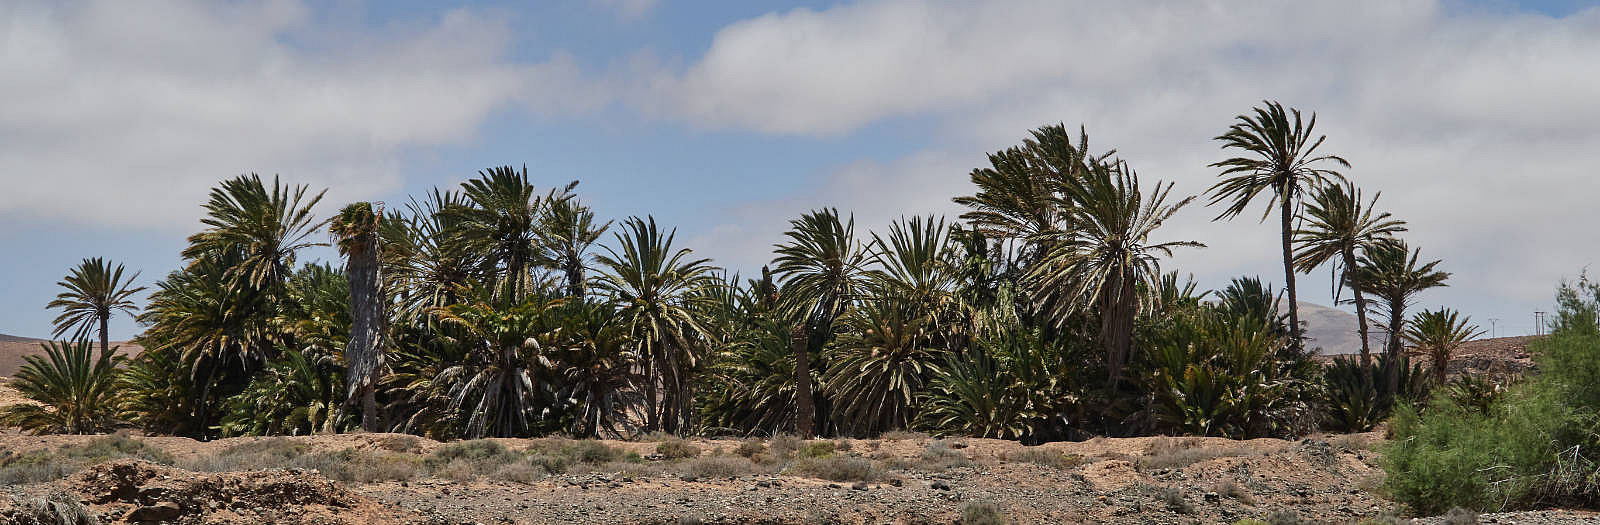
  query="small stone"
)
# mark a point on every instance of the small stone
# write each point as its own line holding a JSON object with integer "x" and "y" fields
{"x": 859, "y": 485}
{"x": 833, "y": 485}
{"x": 940, "y": 485}
{"x": 687, "y": 477}
{"x": 896, "y": 482}
{"x": 1213, "y": 497}
{"x": 164, "y": 511}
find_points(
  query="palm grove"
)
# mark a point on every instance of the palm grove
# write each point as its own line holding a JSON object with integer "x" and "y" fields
{"x": 500, "y": 308}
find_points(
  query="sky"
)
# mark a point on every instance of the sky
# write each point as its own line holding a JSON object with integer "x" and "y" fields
{"x": 725, "y": 119}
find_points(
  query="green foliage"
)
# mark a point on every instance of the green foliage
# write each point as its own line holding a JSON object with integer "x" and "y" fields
{"x": 1529, "y": 448}
{"x": 292, "y": 395}
{"x": 95, "y": 291}
{"x": 1225, "y": 372}
{"x": 1357, "y": 396}
{"x": 982, "y": 514}
{"x": 48, "y": 465}
{"x": 76, "y": 387}
{"x": 1013, "y": 384}
{"x": 677, "y": 449}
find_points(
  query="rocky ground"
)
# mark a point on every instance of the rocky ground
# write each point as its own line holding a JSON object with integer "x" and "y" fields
{"x": 912, "y": 479}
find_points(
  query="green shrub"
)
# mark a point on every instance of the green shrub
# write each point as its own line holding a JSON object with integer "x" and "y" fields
{"x": 749, "y": 448}
{"x": 1531, "y": 447}
{"x": 817, "y": 449}
{"x": 1358, "y": 397}
{"x": 1046, "y": 457}
{"x": 361, "y": 466}
{"x": 1475, "y": 393}
{"x": 49, "y": 465}
{"x": 677, "y": 449}
{"x": 718, "y": 467}
{"x": 982, "y": 514}
{"x": 839, "y": 468}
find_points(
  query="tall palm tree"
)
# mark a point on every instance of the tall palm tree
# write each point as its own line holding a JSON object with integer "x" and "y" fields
{"x": 882, "y": 362}
{"x": 424, "y": 260}
{"x": 1391, "y": 271}
{"x": 567, "y": 231}
{"x": 194, "y": 314}
{"x": 261, "y": 228}
{"x": 1340, "y": 226}
{"x": 356, "y": 228}
{"x": 823, "y": 269}
{"x": 658, "y": 288}
{"x": 95, "y": 292}
{"x": 502, "y": 220}
{"x": 1018, "y": 196}
{"x": 77, "y": 389}
{"x": 1438, "y": 333}
{"x": 1283, "y": 160}
{"x": 1109, "y": 257}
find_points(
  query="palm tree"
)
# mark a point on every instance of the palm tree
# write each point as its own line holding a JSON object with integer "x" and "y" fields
{"x": 499, "y": 384}
{"x": 1391, "y": 271}
{"x": 823, "y": 269}
{"x": 424, "y": 259}
{"x": 356, "y": 228}
{"x": 1341, "y": 226}
{"x": 502, "y": 220}
{"x": 1018, "y": 196}
{"x": 1283, "y": 161}
{"x": 879, "y": 366}
{"x": 567, "y": 230}
{"x": 1438, "y": 333}
{"x": 261, "y": 229}
{"x": 77, "y": 390}
{"x": 95, "y": 291}
{"x": 1109, "y": 257}
{"x": 658, "y": 288}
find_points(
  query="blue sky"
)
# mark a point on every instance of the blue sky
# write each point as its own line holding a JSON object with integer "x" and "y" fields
{"x": 725, "y": 119}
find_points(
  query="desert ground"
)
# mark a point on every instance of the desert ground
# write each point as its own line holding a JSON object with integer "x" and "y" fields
{"x": 897, "y": 478}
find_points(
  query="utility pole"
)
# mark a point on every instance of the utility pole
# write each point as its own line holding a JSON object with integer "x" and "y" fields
{"x": 1492, "y": 333}
{"x": 1538, "y": 323}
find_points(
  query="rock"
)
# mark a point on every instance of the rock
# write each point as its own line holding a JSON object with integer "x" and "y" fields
{"x": 1212, "y": 497}
{"x": 940, "y": 485}
{"x": 896, "y": 482}
{"x": 833, "y": 485}
{"x": 687, "y": 477}
{"x": 164, "y": 511}
{"x": 958, "y": 445}
{"x": 859, "y": 485}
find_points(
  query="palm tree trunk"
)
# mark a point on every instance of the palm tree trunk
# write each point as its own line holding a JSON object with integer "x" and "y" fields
{"x": 1361, "y": 305}
{"x": 1396, "y": 318}
{"x": 1288, "y": 269}
{"x": 804, "y": 413}
{"x": 1116, "y": 325}
{"x": 652, "y": 420}
{"x": 105, "y": 339}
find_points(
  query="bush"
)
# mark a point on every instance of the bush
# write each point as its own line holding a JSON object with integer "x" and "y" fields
{"x": 1173, "y": 498}
{"x": 57, "y": 508}
{"x": 784, "y": 445}
{"x": 49, "y": 465}
{"x": 750, "y": 448}
{"x": 982, "y": 514}
{"x": 939, "y": 455}
{"x": 1048, "y": 458}
{"x": 817, "y": 449}
{"x": 255, "y": 454}
{"x": 677, "y": 449}
{"x": 1531, "y": 447}
{"x": 718, "y": 467}
{"x": 361, "y": 466}
{"x": 1358, "y": 397}
{"x": 839, "y": 468}
{"x": 466, "y": 460}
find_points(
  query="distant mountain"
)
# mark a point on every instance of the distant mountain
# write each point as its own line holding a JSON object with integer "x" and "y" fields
{"x": 12, "y": 348}
{"x": 1334, "y": 330}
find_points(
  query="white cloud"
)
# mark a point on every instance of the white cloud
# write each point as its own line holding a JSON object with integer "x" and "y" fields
{"x": 1476, "y": 125}
{"x": 110, "y": 109}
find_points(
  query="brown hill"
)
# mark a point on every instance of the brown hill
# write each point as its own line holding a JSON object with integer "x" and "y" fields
{"x": 13, "y": 348}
